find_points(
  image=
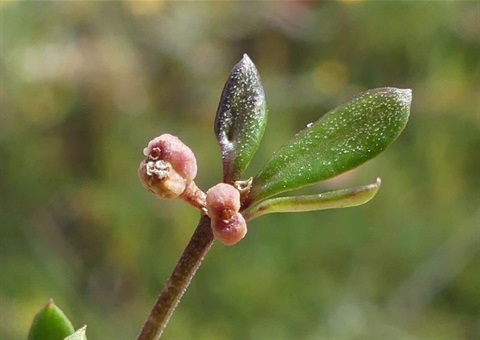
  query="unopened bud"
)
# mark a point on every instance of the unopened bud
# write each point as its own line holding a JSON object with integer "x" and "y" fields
{"x": 223, "y": 204}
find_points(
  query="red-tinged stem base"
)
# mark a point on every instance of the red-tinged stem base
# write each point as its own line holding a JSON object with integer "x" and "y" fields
{"x": 179, "y": 280}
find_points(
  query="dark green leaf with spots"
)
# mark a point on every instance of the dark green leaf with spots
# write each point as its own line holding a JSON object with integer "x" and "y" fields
{"x": 341, "y": 140}
{"x": 241, "y": 119}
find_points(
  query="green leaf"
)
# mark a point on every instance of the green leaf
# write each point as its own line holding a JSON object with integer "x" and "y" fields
{"x": 80, "y": 334}
{"x": 50, "y": 324}
{"x": 329, "y": 200}
{"x": 241, "y": 119}
{"x": 341, "y": 140}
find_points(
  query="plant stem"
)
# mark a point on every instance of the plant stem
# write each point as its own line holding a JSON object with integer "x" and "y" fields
{"x": 200, "y": 243}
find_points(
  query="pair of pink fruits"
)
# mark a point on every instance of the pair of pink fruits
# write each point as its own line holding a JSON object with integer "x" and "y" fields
{"x": 168, "y": 172}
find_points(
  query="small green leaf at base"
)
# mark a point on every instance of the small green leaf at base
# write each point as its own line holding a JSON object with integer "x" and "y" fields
{"x": 50, "y": 323}
{"x": 241, "y": 119}
{"x": 80, "y": 334}
{"x": 329, "y": 200}
{"x": 341, "y": 140}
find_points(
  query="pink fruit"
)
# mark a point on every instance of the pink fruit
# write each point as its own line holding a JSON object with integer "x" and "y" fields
{"x": 231, "y": 231}
{"x": 171, "y": 149}
{"x": 223, "y": 201}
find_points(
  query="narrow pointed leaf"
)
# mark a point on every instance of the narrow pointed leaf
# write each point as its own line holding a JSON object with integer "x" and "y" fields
{"x": 241, "y": 119}
{"x": 341, "y": 140}
{"x": 329, "y": 200}
{"x": 50, "y": 324}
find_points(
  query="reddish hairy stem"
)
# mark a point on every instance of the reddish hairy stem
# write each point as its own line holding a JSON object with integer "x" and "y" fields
{"x": 200, "y": 243}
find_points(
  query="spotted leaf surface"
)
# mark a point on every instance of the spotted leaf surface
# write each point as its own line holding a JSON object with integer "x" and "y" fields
{"x": 241, "y": 119}
{"x": 341, "y": 140}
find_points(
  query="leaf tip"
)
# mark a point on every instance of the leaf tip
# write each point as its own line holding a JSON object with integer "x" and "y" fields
{"x": 404, "y": 96}
{"x": 50, "y": 303}
{"x": 50, "y": 323}
{"x": 246, "y": 59}
{"x": 80, "y": 334}
{"x": 246, "y": 65}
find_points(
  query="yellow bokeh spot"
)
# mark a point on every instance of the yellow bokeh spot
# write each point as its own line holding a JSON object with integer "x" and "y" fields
{"x": 331, "y": 76}
{"x": 7, "y": 2}
{"x": 145, "y": 7}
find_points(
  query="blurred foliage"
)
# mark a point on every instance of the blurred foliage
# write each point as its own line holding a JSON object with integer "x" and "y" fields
{"x": 85, "y": 85}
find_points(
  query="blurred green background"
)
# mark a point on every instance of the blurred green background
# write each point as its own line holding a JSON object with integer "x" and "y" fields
{"x": 85, "y": 86}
